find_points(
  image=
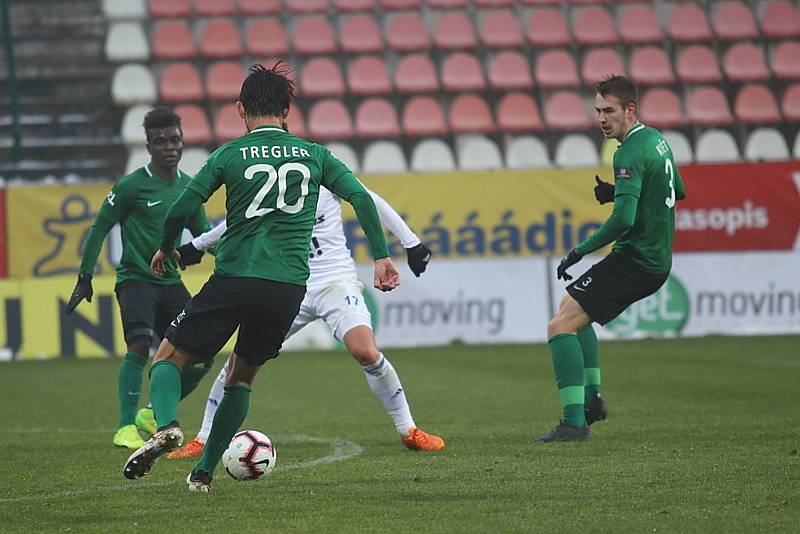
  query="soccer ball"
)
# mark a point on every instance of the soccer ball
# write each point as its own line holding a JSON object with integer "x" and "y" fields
{"x": 250, "y": 456}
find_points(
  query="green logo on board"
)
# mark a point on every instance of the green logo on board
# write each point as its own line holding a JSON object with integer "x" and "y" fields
{"x": 662, "y": 314}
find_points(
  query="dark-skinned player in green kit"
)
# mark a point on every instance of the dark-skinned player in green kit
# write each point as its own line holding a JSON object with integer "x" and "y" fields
{"x": 641, "y": 226}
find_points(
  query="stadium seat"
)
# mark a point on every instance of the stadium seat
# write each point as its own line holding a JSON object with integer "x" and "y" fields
{"x": 564, "y": 110}
{"x": 454, "y": 31}
{"x": 299, "y": 7}
{"x": 360, "y": 34}
{"x": 131, "y": 130}
{"x": 681, "y": 149}
{"x": 259, "y": 7}
{"x": 170, "y": 9}
{"x": 126, "y": 41}
{"x": 133, "y": 84}
{"x": 116, "y": 10}
{"x": 650, "y": 66}
{"x": 509, "y": 70}
{"x": 638, "y": 24}
{"x": 382, "y": 157}
{"x": 716, "y": 146}
{"x": 546, "y": 27}
{"x": 423, "y": 116}
{"x": 607, "y": 151}
{"x": 345, "y": 154}
{"x": 707, "y": 106}
{"x": 518, "y": 113}
{"x": 766, "y": 144}
{"x": 367, "y": 76}
{"x": 780, "y": 20}
{"x": 493, "y": 3}
{"x": 470, "y": 114}
{"x": 193, "y": 159}
{"x": 462, "y": 72}
{"x": 407, "y": 33}
{"x": 415, "y": 73}
{"x": 477, "y": 153}
{"x": 224, "y": 80}
{"x": 432, "y": 155}
{"x": 376, "y": 118}
{"x": 194, "y": 123}
{"x": 755, "y": 104}
{"x": 172, "y": 40}
{"x": 220, "y": 38}
{"x": 744, "y": 62}
{"x": 447, "y": 4}
{"x": 594, "y": 26}
{"x": 556, "y": 68}
{"x": 796, "y": 150}
{"x": 313, "y": 36}
{"x": 329, "y": 120}
{"x": 321, "y": 76}
{"x": 295, "y": 122}
{"x": 661, "y": 108}
{"x": 267, "y": 38}
{"x": 698, "y": 64}
{"x": 785, "y": 65}
{"x": 138, "y": 157}
{"x": 349, "y": 6}
{"x": 500, "y": 29}
{"x": 576, "y": 150}
{"x": 599, "y": 63}
{"x": 790, "y": 103}
{"x": 734, "y": 21}
{"x": 180, "y": 82}
{"x": 400, "y": 4}
{"x": 227, "y": 124}
{"x": 214, "y": 8}
{"x": 541, "y": 2}
{"x": 526, "y": 152}
{"x": 687, "y": 24}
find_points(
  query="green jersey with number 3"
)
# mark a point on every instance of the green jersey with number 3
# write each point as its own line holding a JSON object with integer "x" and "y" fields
{"x": 644, "y": 167}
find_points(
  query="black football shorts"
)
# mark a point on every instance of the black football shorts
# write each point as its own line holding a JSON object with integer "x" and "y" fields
{"x": 148, "y": 308}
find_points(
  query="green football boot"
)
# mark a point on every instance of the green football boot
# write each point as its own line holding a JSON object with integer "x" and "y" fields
{"x": 128, "y": 437}
{"x": 146, "y": 421}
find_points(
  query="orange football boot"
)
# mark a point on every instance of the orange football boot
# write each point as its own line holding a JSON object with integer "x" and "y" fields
{"x": 419, "y": 440}
{"x": 193, "y": 449}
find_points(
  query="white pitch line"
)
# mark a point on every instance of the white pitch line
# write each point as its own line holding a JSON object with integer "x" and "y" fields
{"x": 341, "y": 450}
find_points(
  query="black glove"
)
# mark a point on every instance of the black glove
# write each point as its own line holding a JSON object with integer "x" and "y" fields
{"x": 571, "y": 259}
{"x": 83, "y": 290}
{"x": 603, "y": 191}
{"x": 189, "y": 255}
{"x": 418, "y": 258}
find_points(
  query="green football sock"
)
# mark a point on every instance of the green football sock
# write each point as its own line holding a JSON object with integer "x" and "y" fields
{"x": 191, "y": 377}
{"x": 229, "y": 417}
{"x": 165, "y": 391}
{"x": 568, "y": 366}
{"x": 591, "y": 362}
{"x": 129, "y": 386}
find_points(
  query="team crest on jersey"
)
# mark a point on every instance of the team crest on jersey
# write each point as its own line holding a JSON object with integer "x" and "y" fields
{"x": 624, "y": 173}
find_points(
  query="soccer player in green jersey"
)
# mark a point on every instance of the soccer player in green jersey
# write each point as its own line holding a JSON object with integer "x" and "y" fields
{"x": 139, "y": 202}
{"x": 272, "y": 181}
{"x": 646, "y": 185}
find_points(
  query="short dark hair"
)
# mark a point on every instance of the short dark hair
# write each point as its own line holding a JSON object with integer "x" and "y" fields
{"x": 160, "y": 117}
{"x": 619, "y": 86}
{"x": 267, "y": 92}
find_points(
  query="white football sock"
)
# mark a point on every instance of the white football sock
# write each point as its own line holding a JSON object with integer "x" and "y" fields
{"x": 214, "y": 398}
{"x": 385, "y": 384}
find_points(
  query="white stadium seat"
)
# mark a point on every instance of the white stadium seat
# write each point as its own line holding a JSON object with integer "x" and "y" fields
{"x": 137, "y": 157}
{"x": 766, "y": 144}
{"x": 132, "y": 130}
{"x": 526, "y": 152}
{"x": 345, "y": 154}
{"x": 576, "y": 150}
{"x": 477, "y": 153}
{"x": 796, "y": 150}
{"x": 192, "y": 159}
{"x": 133, "y": 84}
{"x": 124, "y": 9}
{"x": 681, "y": 149}
{"x": 126, "y": 42}
{"x": 383, "y": 157}
{"x": 432, "y": 155}
{"x": 716, "y": 146}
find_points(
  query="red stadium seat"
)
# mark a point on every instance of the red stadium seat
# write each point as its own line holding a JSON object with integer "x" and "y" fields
{"x": 599, "y": 63}
{"x": 541, "y": 2}
{"x": 470, "y": 114}
{"x": 493, "y": 3}
{"x": 259, "y": 7}
{"x": 734, "y": 21}
{"x": 785, "y": 65}
{"x": 698, "y": 64}
{"x": 224, "y": 80}
{"x": 400, "y": 4}
{"x": 651, "y": 66}
{"x": 367, "y": 75}
{"x": 329, "y": 120}
{"x": 360, "y": 34}
{"x": 744, "y": 62}
{"x": 313, "y": 36}
{"x": 299, "y": 7}
{"x": 194, "y": 124}
{"x": 661, "y": 108}
{"x": 180, "y": 82}
{"x": 295, "y": 122}
{"x": 447, "y": 4}
{"x": 267, "y": 37}
{"x": 415, "y": 74}
{"x": 220, "y": 38}
{"x": 462, "y": 72}
{"x": 423, "y": 116}
{"x": 779, "y": 20}
{"x": 755, "y": 104}
{"x": 594, "y": 26}
{"x": 565, "y": 111}
{"x": 227, "y": 124}
{"x": 321, "y": 76}
{"x": 688, "y": 23}
{"x": 518, "y": 113}
{"x": 556, "y": 68}
{"x": 170, "y": 9}
{"x": 639, "y": 25}
{"x": 707, "y": 106}
{"x": 214, "y": 8}
{"x": 172, "y": 40}
{"x": 347, "y": 6}
{"x": 790, "y": 104}
{"x": 547, "y": 27}
{"x": 377, "y": 118}
{"x": 454, "y": 31}
{"x": 509, "y": 70}
{"x": 500, "y": 29}
{"x": 407, "y": 33}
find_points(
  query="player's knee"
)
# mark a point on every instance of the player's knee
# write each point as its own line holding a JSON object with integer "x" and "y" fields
{"x": 365, "y": 353}
{"x": 140, "y": 346}
{"x": 554, "y": 327}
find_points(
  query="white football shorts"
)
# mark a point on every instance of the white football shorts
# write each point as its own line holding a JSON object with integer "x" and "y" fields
{"x": 341, "y": 305}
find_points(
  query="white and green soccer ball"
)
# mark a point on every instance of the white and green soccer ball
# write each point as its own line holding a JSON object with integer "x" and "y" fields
{"x": 250, "y": 456}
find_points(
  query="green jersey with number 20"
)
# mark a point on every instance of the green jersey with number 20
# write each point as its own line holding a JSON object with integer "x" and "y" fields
{"x": 644, "y": 167}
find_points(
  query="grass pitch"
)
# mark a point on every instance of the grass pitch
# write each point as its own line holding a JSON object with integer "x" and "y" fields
{"x": 702, "y": 437}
